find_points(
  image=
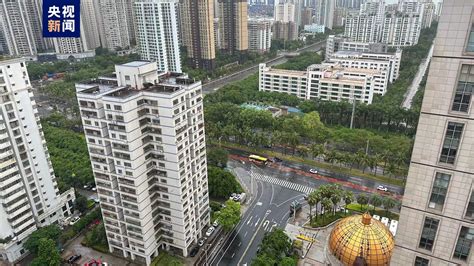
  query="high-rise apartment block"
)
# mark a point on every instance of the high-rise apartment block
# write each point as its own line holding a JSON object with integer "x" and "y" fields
{"x": 233, "y": 25}
{"x": 260, "y": 35}
{"x": 17, "y": 31}
{"x": 157, "y": 33}
{"x": 325, "y": 13}
{"x": 28, "y": 189}
{"x": 287, "y": 31}
{"x": 399, "y": 27}
{"x": 115, "y": 21}
{"x": 436, "y": 224}
{"x": 145, "y": 134}
{"x": 197, "y": 26}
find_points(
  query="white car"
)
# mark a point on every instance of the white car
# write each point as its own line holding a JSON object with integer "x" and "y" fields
{"x": 382, "y": 188}
{"x": 74, "y": 220}
{"x": 215, "y": 223}
{"x": 313, "y": 171}
{"x": 210, "y": 231}
{"x": 202, "y": 241}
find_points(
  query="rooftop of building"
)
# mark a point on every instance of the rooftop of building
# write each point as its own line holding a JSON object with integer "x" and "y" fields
{"x": 136, "y": 63}
{"x": 359, "y": 53}
{"x": 286, "y": 72}
{"x": 168, "y": 84}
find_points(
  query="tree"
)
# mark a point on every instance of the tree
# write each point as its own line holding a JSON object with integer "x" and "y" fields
{"x": 48, "y": 232}
{"x": 217, "y": 157}
{"x": 388, "y": 203}
{"x": 362, "y": 199}
{"x": 375, "y": 200}
{"x": 336, "y": 199}
{"x": 97, "y": 236}
{"x": 81, "y": 203}
{"x": 229, "y": 216}
{"x": 48, "y": 254}
{"x": 222, "y": 183}
{"x": 287, "y": 261}
{"x": 276, "y": 245}
{"x": 348, "y": 197}
{"x": 326, "y": 204}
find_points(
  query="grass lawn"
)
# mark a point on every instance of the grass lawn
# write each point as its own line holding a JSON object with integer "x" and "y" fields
{"x": 328, "y": 166}
{"x": 328, "y": 218}
{"x": 165, "y": 259}
{"x": 378, "y": 211}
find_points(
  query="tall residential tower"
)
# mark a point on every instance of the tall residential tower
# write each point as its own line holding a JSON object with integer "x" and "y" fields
{"x": 145, "y": 135}
{"x": 29, "y": 193}
{"x": 437, "y": 217}
{"x": 233, "y": 25}
{"x": 197, "y": 26}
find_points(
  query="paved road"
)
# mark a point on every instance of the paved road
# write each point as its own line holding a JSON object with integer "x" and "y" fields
{"x": 417, "y": 80}
{"x": 272, "y": 189}
{"x": 218, "y": 83}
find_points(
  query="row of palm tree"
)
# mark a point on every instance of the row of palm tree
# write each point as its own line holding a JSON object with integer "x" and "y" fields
{"x": 329, "y": 197}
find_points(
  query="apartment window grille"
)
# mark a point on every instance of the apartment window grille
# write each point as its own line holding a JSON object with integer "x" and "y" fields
{"x": 463, "y": 246}
{"x": 439, "y": 191}
{"x": 451, "y": 142}
{"x": 428, "y": 234}
{"x": 464, "y": 89}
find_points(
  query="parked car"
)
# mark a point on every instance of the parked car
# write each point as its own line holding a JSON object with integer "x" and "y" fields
{"x": 194, "y": 251}
{"x": 74, "y": 220}
{"x": 210, "y": 231}
{"x": 74, "y": 258}
{"x": 202, "y": 241}
{"x": 94, "y": 188}
{"x": 215, "y": 223}
{"x": 313, "y": 171}
{"x": 382, "y": 188}
{"x": 236, "y": 197}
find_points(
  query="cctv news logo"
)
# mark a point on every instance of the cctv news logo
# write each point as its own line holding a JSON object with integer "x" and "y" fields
{"x": 61, "y": 18}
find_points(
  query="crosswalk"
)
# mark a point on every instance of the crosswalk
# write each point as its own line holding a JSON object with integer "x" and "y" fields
{"x": 283, "y": 183}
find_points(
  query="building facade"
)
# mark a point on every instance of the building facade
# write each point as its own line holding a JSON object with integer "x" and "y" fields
{"x": 197, "y": 26}
{"x": 115, "y": 23}
{"x": 260, "y": 35}
{"x": 327, "y": 81}
{"x": 17, "y": 31}
{"x": 287, "y": 31}
{"x": 145, "y": 134}
{"x": 89, "y": 18}
{"x": 28, "y": 188}
{"x": 233, "y": 25}
{"x": 336, "y": 43}
{"x": 157, "y": 33}
{"x": 325, "y": 13}
{"x": 401, "y": 30}
{"x": 436, "y": 224}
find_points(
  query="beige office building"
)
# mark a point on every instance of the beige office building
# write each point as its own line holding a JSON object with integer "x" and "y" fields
{"x": 437, "y": 217}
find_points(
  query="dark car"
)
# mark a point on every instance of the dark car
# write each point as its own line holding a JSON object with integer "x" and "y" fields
{"x": 277, "y": 160}
{"x": 194, "y": 251}
{"x": 74, "y": 258}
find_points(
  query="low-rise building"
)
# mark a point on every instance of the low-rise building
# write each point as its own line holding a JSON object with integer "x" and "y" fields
{"x": 314, "y": 28}
{"x": 337, "y": 43}
{"x": 327, "y": 81}
{"x": 388, "y": 63}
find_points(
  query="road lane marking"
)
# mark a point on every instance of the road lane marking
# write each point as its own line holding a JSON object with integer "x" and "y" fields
{"x": 233, "y": 254}
{"x": 265, "y": 224}
{"x": 251, "y": 240}
{"x": 240, "y": 243}
{"x": 249, "y": 219}
{"x": 257, "y": 221}
{"x": 245, "y": 234}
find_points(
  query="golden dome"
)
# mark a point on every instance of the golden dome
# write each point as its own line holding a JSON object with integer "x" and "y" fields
{"x": 361, "y": 240}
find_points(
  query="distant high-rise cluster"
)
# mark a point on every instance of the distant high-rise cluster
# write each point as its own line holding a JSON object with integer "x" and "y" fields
{"x": 397, "y": 25}
{"x": 232, "y": 16}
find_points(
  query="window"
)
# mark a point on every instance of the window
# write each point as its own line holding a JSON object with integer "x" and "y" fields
{"x": 463, "y": 246}
{"x": 470, "y": 208}
{"x": 127, "y": 77}
{"x": 439, "y": 191}
{"x": 419, "y": 261}
{"x": 470, "y": 41}
{"x": 464, "y": 89}
{"x": 428, "y": 233}
{"x": 451, "y": 142}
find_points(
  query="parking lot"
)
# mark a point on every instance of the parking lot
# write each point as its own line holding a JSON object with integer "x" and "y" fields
{"x": 88, "y": 254}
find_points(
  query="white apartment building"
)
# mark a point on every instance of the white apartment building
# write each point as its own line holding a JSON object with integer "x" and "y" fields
{"x": 327, "y": 81}
{"x": 325, "y": 13}
{"x": 145, "y": 135}
{"x": 398, "y": 27}
{"x": 436, "y": 224}
{"x": 388, "y": 63}
{"x": 401, "y": 29}
{"x": 29, "y": 194}
{"x": 260, "y": 34}
{"x": 157, "y": 33}
{"x": 114, "y": 23}
{"x": 89, "y": 18}
{"x": 18, "y": 38}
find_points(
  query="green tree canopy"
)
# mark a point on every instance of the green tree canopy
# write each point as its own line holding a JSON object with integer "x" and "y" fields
{"x": 47, "y": 232}
{"x": 217, "y": 157}
{"x": 48, "y": 254}
{"x": 222, "y": 183}
{"x": 229, "y": 216}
